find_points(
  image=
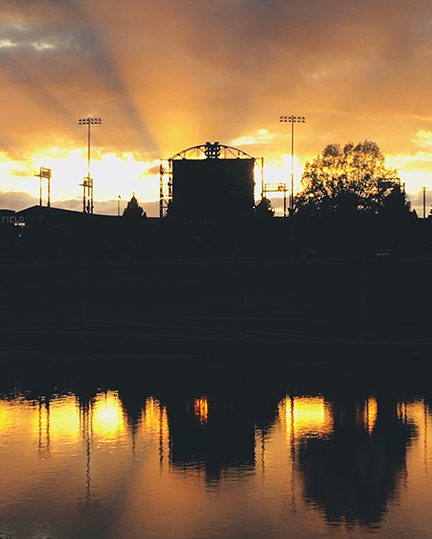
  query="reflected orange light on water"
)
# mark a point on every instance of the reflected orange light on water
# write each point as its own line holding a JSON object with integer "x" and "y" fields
{"x": 370, "y": 414}
{"x": 60, "y": 420}
{"x": 303, "y": 416}
{"x": 107, "y": 416}
{"x": 56, "y": 420}
{"x": 6, "y": 417}
{"x": 155, "y": 419}
{"x": 15, "y": 415}
{"x": 63, "y": 419}
{"x": 201, "y": 409}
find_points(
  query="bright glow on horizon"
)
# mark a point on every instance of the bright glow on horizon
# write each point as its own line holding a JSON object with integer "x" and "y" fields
{"x": 124, "y": 174}
{"x": 262, "y": 136}
{"x": 113, "y": 174}
{"x": 286, "y": 158}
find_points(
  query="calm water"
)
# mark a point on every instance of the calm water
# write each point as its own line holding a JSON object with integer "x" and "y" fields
{"x": 97, "y": 448}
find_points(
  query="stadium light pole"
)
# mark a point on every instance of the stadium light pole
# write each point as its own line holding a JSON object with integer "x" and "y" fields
{"x": 88, "y": 182}
{"x": 292, "y": 120}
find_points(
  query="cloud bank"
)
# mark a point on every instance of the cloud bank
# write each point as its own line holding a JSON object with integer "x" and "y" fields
{"x": 18, "y": 201}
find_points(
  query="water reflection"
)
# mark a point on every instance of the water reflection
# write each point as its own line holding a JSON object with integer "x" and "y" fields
{"x": 213, "y": 443}
{"x": 306, "y": 416}
{"x": 92, "y": 459}
{"x": 353, "y": 473}
{"x": 201, "y": 409}
{"x": 107, "y": 418}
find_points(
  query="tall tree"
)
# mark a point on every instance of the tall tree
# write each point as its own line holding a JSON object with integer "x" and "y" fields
{"x": 133, "y": 209}
{"x": 264, "y": 209}
{"x": 347, "y": 180}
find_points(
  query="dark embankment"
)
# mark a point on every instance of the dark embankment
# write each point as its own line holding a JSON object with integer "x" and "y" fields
{"x": 316, "y": 308}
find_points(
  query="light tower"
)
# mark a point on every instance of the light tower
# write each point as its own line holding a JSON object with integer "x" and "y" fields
{"x": 87, "y": 184}
{"x": 44, "y": 173}
{"x": 292, "y": 120}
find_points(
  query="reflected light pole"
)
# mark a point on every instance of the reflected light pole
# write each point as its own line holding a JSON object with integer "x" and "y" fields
{"x": 88, "y": 181}
{"x": 292, "y": 120}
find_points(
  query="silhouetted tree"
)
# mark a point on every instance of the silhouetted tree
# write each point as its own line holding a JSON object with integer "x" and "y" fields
{"x": 348, "y": 180}
{"x": 396, "y": 205}
{"x": 133, "y": 209}
{"x": 264, "y": 209}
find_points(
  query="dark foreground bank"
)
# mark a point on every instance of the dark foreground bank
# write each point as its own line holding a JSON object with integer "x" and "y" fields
{"x": 245, "y": 346}
{"x": 308, "y": 308}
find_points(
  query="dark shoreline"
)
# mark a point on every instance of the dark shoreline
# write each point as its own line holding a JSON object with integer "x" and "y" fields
{"x": 126, "y": 343}
{"x": 316, "y": 309}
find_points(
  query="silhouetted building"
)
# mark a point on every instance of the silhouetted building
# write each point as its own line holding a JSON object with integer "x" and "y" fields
{"x": 10, "y": 218}
{"x": 55, "y": 233}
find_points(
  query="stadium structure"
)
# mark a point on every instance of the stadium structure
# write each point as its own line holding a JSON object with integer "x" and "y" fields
{"x": 208, "y": 182}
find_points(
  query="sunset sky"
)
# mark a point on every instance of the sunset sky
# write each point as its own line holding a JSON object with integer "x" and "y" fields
{"x": 168, "y": 74}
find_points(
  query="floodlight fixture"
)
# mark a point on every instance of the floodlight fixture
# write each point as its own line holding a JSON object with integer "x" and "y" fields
{"x": 292, "y": 119}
